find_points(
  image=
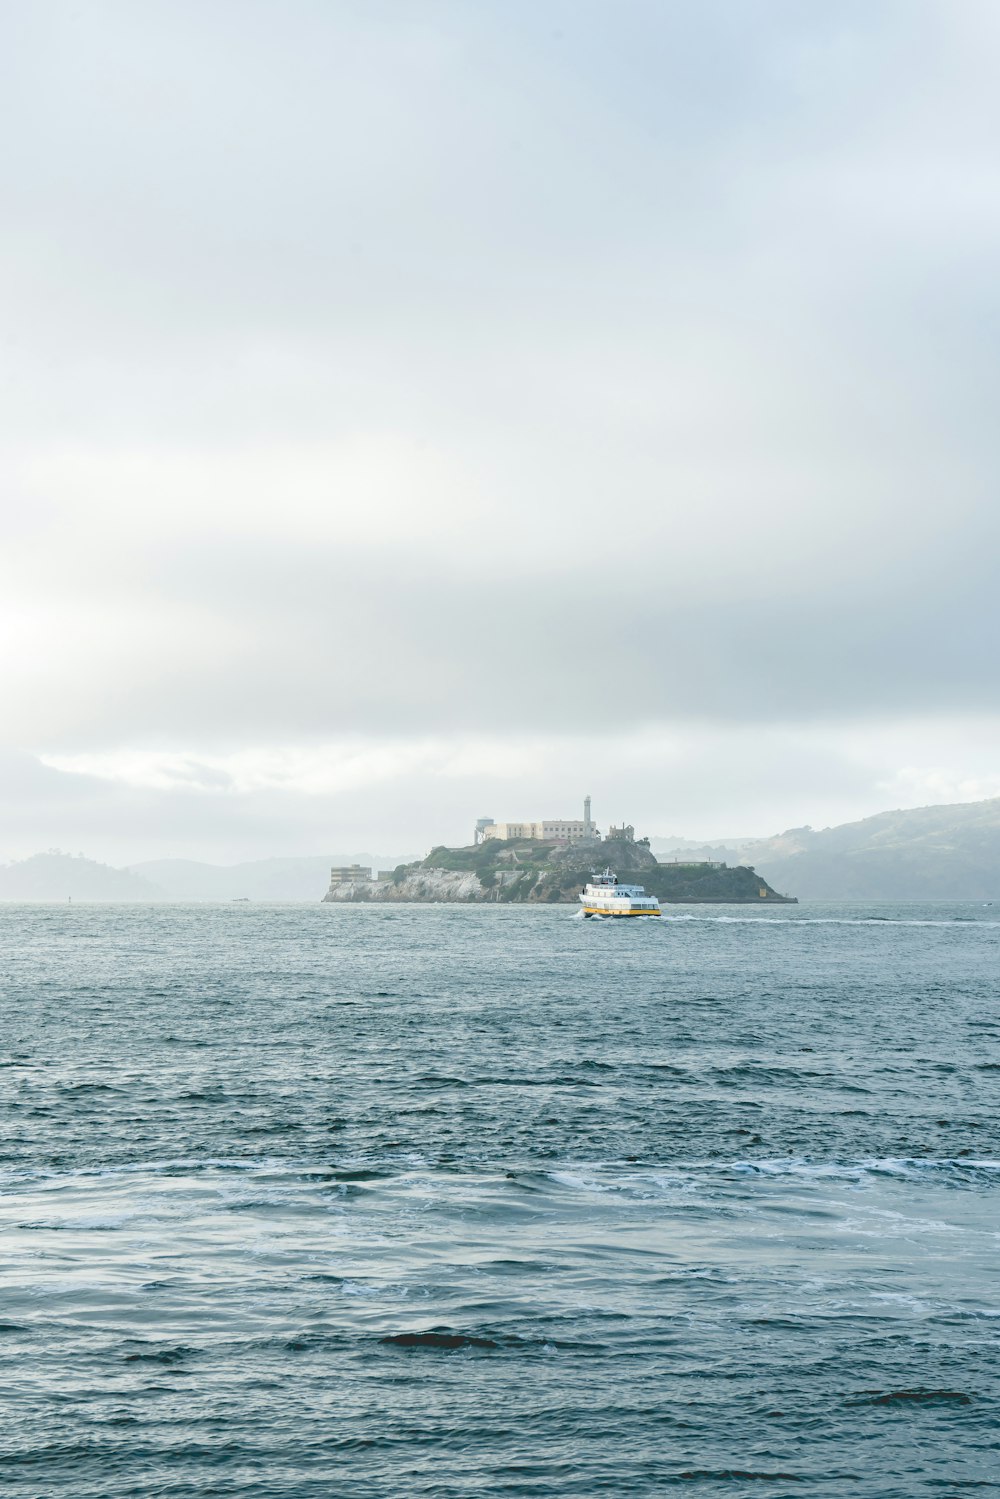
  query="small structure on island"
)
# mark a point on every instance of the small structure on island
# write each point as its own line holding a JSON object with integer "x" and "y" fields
{"x": 625, "y": 834}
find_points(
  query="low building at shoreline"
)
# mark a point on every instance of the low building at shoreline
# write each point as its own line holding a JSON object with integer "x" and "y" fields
{"x": 346, "y": 874}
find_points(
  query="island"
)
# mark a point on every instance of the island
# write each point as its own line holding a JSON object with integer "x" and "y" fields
{"x": 535, "y": 870}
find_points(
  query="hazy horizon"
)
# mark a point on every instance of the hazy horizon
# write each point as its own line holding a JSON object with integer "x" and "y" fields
{"x": 417, "y": 413}
{"x": 368, "y": 854}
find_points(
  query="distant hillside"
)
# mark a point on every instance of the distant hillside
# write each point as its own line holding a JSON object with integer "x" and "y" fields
{"x": 927, "y": 853}
{"x": 261, "y": 879}
{"x": 61, "y": 877}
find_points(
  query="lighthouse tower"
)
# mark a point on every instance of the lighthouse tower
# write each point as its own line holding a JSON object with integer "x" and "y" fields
{"x": 588, "y": 826}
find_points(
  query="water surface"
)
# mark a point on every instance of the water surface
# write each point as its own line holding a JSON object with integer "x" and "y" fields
{"x": 361, "y": 1201}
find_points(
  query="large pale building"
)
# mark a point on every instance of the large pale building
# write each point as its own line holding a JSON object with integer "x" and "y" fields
{"x": 549, "y": 830}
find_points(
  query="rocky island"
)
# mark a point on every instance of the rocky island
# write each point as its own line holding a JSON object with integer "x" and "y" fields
{"x": 539, "y": 871}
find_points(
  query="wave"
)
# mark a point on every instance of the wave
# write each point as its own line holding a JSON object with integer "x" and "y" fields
{"x": 794, "y": 920}
{"x": 904, "y": 1167}
{"x": 609, "y": 1177}
{"x": 741, "y": 1475}
{"x": 598, "y": 1175}
{"x": 174, "y": 1166}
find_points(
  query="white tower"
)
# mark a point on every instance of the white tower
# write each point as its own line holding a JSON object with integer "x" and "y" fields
{"x": 588, "y": 826}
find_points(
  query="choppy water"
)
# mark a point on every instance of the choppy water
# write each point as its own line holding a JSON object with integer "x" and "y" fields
{"x": 350, "y": 1201}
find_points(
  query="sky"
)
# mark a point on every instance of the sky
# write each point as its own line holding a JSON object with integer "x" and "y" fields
{"x": 413, "y": 411}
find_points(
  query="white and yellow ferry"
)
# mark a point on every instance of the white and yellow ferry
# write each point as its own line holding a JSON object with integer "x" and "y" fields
{"x": 605, "y": 897}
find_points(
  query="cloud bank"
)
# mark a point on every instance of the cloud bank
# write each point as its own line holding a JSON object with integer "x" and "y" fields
{"x": 405, "y": 404}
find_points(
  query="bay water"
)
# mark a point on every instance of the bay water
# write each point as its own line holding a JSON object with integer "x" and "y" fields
{"x": 441, "y": 1201}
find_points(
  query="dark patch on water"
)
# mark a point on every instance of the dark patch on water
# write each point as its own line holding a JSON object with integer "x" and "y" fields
{"x": 917, "y": 1397}
{"x": 159, "y": 1356}
{"x": 438, "y": 1339}
{"x": 716, "y": 1475}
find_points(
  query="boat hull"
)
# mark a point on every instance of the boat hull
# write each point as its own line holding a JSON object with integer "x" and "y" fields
{"x": 601, "y": 911}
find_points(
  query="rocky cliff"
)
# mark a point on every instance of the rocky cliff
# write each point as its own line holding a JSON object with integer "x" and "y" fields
{"x": 418, "y": 884}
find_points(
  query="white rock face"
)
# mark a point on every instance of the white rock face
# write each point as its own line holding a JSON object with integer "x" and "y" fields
{"x": 427, "y": 885}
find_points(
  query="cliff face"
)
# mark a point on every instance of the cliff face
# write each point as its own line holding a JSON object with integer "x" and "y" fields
{"x": 529, "y": 872}
{"x": 419, "y": 885}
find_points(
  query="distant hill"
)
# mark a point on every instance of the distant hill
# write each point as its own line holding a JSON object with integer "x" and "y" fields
{"x": 926, "y": 853}
{"x": 303, "y": 878}
{"x": 56, "y": 876}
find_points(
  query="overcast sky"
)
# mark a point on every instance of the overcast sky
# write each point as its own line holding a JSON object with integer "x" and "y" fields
{"x": 415, "y": 410}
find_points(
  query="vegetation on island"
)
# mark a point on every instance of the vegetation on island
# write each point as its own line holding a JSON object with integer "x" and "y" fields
{"x": 520, "y": 870}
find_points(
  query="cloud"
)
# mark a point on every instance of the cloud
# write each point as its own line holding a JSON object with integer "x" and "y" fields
{"x": 702, "y": 781}
{"x": 258, "y": 639}
{"x": 394, "y": 389}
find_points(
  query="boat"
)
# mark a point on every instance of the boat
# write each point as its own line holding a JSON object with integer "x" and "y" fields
{"x": 604, "y": 896}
